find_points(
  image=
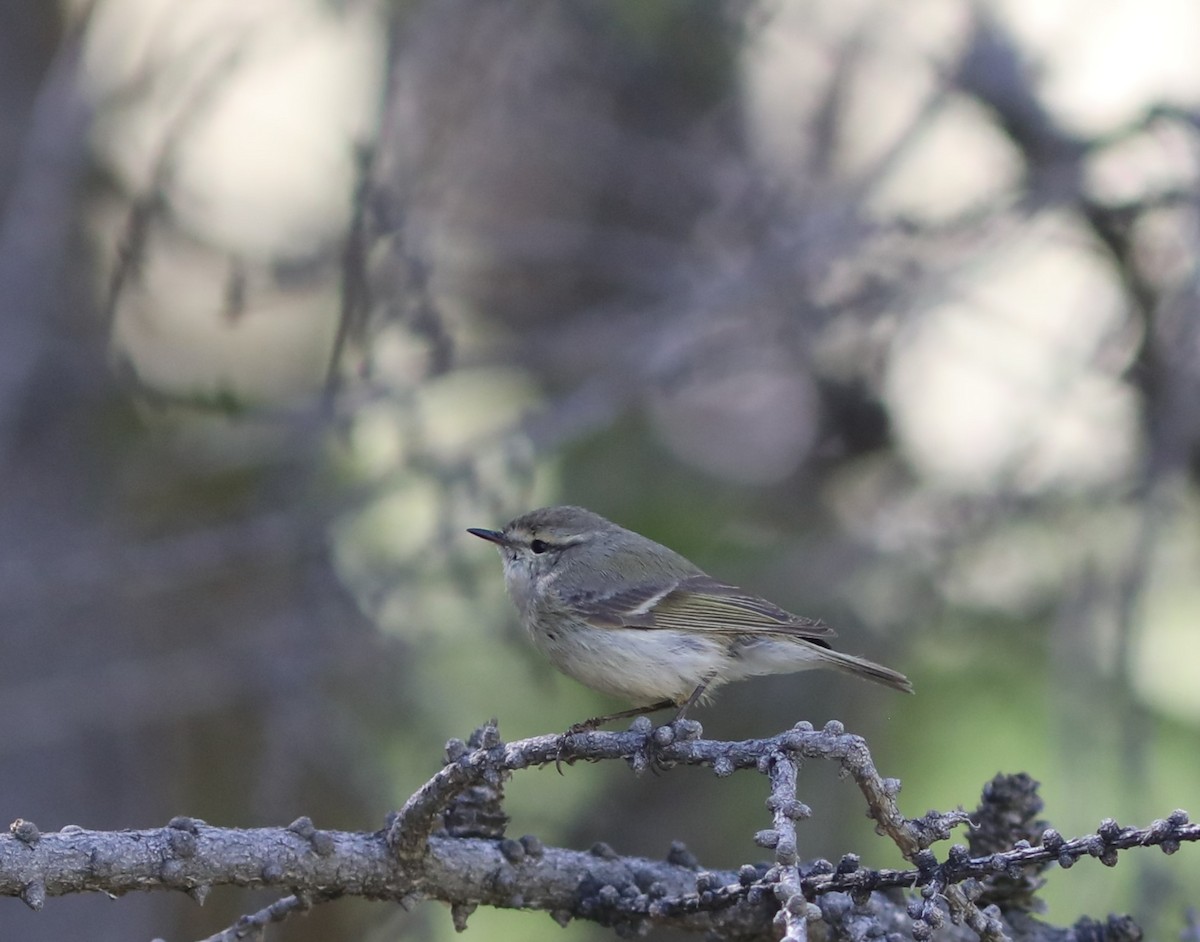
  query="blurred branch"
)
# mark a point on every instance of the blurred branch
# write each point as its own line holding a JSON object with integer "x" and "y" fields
{"x": 1163, "y": 369}
{"x": 419, "y": 856}
{"x": 992, "y": 72}
{"x": 36, "y": 226}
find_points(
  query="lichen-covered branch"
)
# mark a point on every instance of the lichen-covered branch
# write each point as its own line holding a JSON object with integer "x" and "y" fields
{"x": 434, "y": 848}
{"x": 785, "y": 810}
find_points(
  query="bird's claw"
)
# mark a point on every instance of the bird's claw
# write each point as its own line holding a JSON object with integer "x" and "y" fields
{"x": 587, "y": 726}
{"x": 575, "y": 729}
{"x": 561, "y": 746}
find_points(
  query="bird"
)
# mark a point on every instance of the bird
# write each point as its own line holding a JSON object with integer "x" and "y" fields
{"x": 634, "y": 619}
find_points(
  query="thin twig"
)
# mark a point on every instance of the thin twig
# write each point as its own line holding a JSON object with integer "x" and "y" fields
{"x": 253, "y": 925}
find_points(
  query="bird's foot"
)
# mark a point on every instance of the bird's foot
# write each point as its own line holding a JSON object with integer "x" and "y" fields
{"x": 575, "y": 729}
{"x": 587, "y": 726}
{"x": 596, "y": 722}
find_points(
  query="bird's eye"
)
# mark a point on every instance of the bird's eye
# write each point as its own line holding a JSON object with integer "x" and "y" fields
{"x": 539, "y": 546}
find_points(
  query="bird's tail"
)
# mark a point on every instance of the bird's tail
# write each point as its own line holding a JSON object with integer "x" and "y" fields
{"x": 867, "y": 670}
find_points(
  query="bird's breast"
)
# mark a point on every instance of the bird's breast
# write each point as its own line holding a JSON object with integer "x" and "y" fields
{"x": 640, "y": 666}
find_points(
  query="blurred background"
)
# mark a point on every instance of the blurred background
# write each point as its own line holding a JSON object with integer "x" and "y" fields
{"x": 886, "y": 311}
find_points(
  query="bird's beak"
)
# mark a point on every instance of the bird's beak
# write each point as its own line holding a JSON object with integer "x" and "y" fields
{"x": 492, "y": 536}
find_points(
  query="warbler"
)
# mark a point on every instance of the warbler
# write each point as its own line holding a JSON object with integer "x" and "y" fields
{"x": 629, "y": 617}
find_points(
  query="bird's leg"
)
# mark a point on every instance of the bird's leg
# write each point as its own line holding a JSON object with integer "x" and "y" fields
{"x": 694, "y": 698}
{"x": 588, "y": 725}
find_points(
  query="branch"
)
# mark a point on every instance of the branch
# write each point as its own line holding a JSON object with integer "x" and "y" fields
{"x": 795, "y": 911}
{"x": 427, "y": 851}
{"x": 252, "y": 925}
{"x": 675, "y": 744}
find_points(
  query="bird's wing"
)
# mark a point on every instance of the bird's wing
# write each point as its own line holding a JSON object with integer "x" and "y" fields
{"x": 695, "y": 603}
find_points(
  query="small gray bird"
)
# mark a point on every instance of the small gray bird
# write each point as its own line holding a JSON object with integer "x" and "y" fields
{"x": 631, "y": 618}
